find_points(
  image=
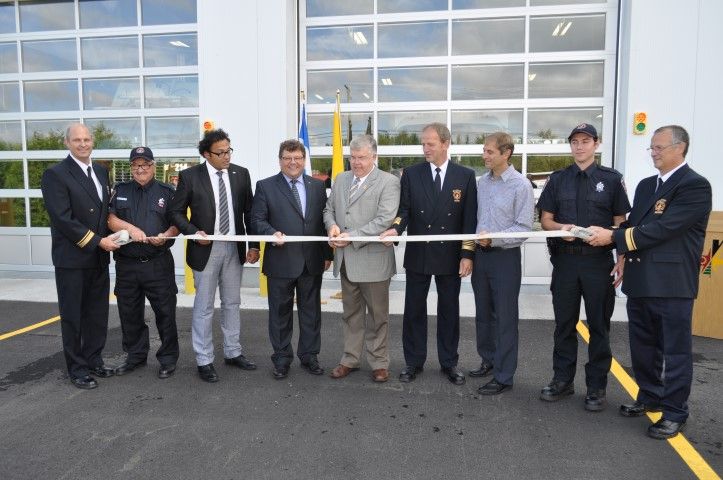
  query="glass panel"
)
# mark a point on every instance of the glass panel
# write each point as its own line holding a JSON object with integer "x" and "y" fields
{"x": 161, "y": 12}
{"x": 170, "y": 50}
{"x": 476, "y": 82}
{"x": 108, "y": 93}
{"x": 423, "y": 39}
{"x": 321, "y": 124}
{"x": 36, "y": 169}
{"x": 46, "y": 134}
{"x": 169, "y": 92}
{"x": 51, "y": 95}
{"x": 49, "y": 55}
{"x": 109, "y": 52}
{"x": 405, "y": 128}
{"x": 396, "y": 6}
{"x": 539, "y": 167}
{"x": 40, "y": 15}
{"x": 470, "y": 126}
{"x": 326, "y": 8}
{"x": 107, "y": 13}
{"x": 477, "y": 162}
{"x": 412, "y": 84}
{"x": 38, "y": 215}
{"x": 355, "y": 85}
{"x": 11, "y": 174}
{"x": 9, "y": 97}
{"x": 10, "y": 136}
{"x": 168, "y": 168}
{"x": 340, "y": 43}
{"x": 480, "y": 37}
{"x": 109, "y": 133}
{"x": 172, "y": 132}
{"x": 8, "y": 58}
{"x": 534, "y": 3}
{"x": 7, "y": 17}
{"x": 554, "y": 125}
{"x": 321, "y": 167}
{"x": 396, "y": 165}
{"x": 558, "y": 34}
{"x": 552, "y": 80}
{"x": 463, "y": 4}
{"x": 12, "y": 212}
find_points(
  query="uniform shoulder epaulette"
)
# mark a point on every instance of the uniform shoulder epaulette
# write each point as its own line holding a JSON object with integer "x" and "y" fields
{"x": 166, "y": 185}
{"x": 605, "y": 168}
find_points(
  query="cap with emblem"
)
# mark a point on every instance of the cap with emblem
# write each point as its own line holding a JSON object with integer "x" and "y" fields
{"x": 585, "y": 128}
{"x": 141, "y": 152}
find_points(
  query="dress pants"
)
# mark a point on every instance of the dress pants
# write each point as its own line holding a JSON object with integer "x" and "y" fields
{"x": 223, "y": 270}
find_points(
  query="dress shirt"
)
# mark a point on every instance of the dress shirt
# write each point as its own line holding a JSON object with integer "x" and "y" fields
{"x": 214, "y": 184}
{"x": 442, "y": 171}
{"x": 301, "y": 188}
{"x": 84, "y": 167}
{"x": 665, "y": 177}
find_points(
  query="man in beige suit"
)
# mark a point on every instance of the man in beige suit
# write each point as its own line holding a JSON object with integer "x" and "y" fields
{"x": 363, "y": 202}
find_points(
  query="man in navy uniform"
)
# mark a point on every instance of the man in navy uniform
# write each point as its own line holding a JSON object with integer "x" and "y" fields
{"x": 438, "y": 197}
{"x": 144, "y": 268}
{"x": 662, "y": 242}
{"x": 582, "y": 194}
{"x": 76, "y": 195}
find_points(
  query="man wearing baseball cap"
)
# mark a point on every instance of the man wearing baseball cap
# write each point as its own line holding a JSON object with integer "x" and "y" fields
{"x": 144, "y": 267}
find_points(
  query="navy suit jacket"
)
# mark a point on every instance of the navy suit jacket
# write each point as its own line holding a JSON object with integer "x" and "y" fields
{"x": 663, "y": 237}
{"x": 422, "y": 212}
{"x": 78, "y": 218}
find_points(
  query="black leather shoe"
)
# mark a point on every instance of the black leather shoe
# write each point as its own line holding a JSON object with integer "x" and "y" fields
{"x": 85, "y": 383}
{"x": 454, "y": 375}
{"x": 241, "y": 362}
{"x": 493, "y": 387}
{"x": 556, "y": 390}
{"x": 128, "y": 367}
{"x": 663, "y": 429}
{"x": 409, "y": 373}
{"x": 280, "y": 372}
{"x": 166, "y": 370}
{"x": 638, "y": 409}
{"x": 312, "y": 366}
{"x": 483, "y": 370}
{"x": 102, "y": 371}
{"x": 207, "y": 373}
{"x": 595, "y": 400}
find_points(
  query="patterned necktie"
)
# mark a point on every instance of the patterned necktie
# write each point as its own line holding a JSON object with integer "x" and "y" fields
{"x": 295, "y": 193}
{"x": 354, "y": 187}
{"x": 222, "y": 205}
{"x": 438, "y": 181}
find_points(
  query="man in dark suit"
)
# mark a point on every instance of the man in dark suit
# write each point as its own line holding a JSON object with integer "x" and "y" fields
{"x": 292, "y": 203}
{"x": 219, "y": 196}
{"x": 76, "y": 195}
{"x": 662, "y": 242}
{"x": 438, "y": 197}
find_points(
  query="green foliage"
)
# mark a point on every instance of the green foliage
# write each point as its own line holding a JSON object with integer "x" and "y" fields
{"x": 52, "y": 140}
{"x": 38, "y": 215}
{"x": 9, "y": 146}
{"x": 11, "y": 174}
{"x": 12, "y": 212}
{"x": 400, "y": 138}
{"x": 104, "y": 138}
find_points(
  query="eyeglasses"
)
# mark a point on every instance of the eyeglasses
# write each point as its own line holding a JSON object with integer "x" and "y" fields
{"x": 660, "y": 148}
{"x": 224, "y": 153}
{"x": 292, "y": 159}
{"x": 141, "y": 166}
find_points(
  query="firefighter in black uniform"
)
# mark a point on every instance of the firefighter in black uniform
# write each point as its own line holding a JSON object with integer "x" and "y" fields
{"x": 582, "y": 194}
{"x": 144, "y": 267}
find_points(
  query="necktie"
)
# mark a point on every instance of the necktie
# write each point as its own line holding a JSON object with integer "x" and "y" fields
{"x": 581, "y": 200}
{"x": 90, "y": 173}
{"x": 354, "y": 187}
{"x": 222, "y": 205}
{"x": 295, "y": 193}
{"x": 92, "y": 183}
{"x": 438, "y": 181}
{"x": 659, "y": 185}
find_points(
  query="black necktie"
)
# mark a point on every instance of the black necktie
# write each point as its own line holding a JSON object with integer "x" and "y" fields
{"x": 295, "y": 193}
{"x": 438, "y": 181}
{"x": 92, "y": 183}
{"x": 223, "y": 224}
{"x": 581, "y": 200}
{"x": 659, "y": 185}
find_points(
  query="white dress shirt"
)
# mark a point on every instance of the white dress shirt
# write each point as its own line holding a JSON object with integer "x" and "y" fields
{"x": 84, "y": 167}
{"x": 214, "y": 184}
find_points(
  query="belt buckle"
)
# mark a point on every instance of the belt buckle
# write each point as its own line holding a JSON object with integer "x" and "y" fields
{"x": 144, "y": 259}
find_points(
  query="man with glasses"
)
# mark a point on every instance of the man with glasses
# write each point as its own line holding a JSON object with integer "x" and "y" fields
{"x": 662, "y": 242}
{"x": 144, "y": 268}
{"x": 218, "y": 193}
{"x": 291, "y": 203}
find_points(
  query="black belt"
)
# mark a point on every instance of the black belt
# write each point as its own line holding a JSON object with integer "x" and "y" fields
{"x": 578, "y": 250}
{"x": 142, "y": 258}
{"x": 480, "y": 248}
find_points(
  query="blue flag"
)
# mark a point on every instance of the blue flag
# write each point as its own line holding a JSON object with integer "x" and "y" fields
{"x": 304, "y": 138}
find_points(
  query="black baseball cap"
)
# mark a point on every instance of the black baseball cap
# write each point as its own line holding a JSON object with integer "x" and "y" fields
{"x": 584, "y": 128}
{"x": 141, "y": 152}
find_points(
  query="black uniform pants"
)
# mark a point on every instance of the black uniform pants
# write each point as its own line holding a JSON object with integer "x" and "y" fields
{"x": 586, "y": 276}
{"x": 155, "y": 280}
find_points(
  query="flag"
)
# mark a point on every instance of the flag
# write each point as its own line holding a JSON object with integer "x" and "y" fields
{"x": 337, "y": 155}
{"x": 304, "y": 135}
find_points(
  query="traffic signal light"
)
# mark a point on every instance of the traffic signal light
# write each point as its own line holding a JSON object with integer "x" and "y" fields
{"x": 208, "y": 125}
{"x": 640, "y": 123}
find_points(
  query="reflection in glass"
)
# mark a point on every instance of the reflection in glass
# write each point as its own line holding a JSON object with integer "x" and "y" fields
{"x": 8, "y": 58}
{"x": 12, "y": 212}
{"x": 41, "y": 15}
{"x": 339, "y": 43}
{"x": 397, "y": 6}
{"x": 170, "y": 50}
{"x": 481, "y": 37}
{"x": 46, "y": 134}
{"x": 476, "y": 82}
{"x": 477, "y": 162}
{"x": 107, "y": 13}
{"x": 49, "y": 55}
{"x": 111, "y": 133}
{"x": 38, "y": 215}
{"x": 321, "y": 167}
{"x": 320, "y": 127}
{"x": 573, "y": 79}
{"x": 172, "y": 132}
{"x": 36, "y": 169}
{"x": 10, "y": 136}
{"x": 9, "y": 97}
{"x": 419, "y": 39}
{"x": 405, "y": 128}
{"x": 109, "y": 52}
{"x": 355, "y": 85}
{"x": 326, "y": 8}
{"x": 466, "y": 4}
{"x": 396, "y": 165}
{"x": 171, "y": 91}
{"x": 534, "y": 3}
{"x": 109, "y": 93}
{"x": 11, "y": 174}
{"x": 7, "y": 16}
{"x": 162, "y": 12}
{"x": 576, "y": 32}
{"x": 471, "y": 126}
{"x": 412, "y": 84}
{"x": 51, "y": 95}
{"x": 552, "y": 126}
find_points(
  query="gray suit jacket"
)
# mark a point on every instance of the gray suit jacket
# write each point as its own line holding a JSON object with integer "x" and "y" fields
{"x": 370, "y": 212}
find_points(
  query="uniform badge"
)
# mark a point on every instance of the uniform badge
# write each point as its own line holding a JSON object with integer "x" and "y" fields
{"x": 660, "y": 206}
{"x": 161, "y": 202}
{"x": 600, "y": 187}
{"x": 140, "y": 150}
{"x": 457, "y": 195}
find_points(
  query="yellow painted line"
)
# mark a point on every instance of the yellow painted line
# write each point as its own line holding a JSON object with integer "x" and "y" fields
{"x": 679, "y": 443}
{"x": 29, "y": 328}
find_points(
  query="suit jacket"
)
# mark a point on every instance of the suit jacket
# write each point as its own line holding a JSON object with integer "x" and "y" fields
{"x": 422, "y": 212}
{"x": 276, "y": 210}
{"x": 195, "y": 191}
{"x": 663, "y": 237}
{"x": 78, "y": 218}
{"x": 369, "y": 213}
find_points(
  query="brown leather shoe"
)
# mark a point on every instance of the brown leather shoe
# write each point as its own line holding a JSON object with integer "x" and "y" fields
{"x": 341, "y": 371}
{"x": 380, "y": 375}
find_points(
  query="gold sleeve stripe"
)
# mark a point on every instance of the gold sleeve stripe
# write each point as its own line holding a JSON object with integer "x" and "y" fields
{"x": 468, "y": 245}
{"x": 86, "y": 238}
{"x": 397, "y": 221}
{"x": 629, "y": 239}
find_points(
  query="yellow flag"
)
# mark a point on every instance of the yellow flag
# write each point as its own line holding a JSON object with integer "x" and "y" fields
{"x": 337, "y": 156}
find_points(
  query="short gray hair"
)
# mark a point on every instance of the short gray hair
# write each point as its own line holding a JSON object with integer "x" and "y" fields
{"x": 442, "y": 131}
{"x": 364, "y": 141}
{"x": 678, "y": 133}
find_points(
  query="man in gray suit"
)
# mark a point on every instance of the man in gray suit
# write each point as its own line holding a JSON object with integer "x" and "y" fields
{"x": 363, "y": 202}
